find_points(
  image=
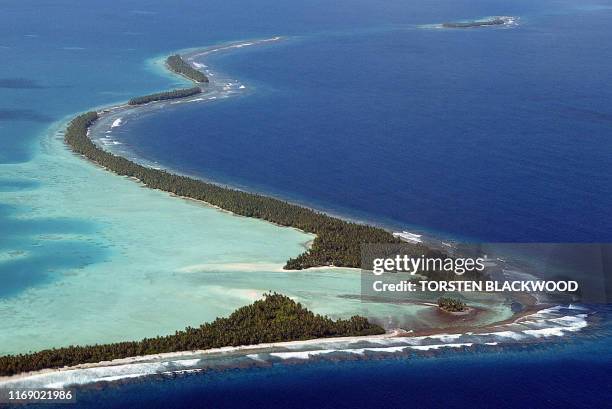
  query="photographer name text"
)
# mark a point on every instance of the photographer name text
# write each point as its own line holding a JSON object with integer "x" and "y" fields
{"x": 476, "y": 286}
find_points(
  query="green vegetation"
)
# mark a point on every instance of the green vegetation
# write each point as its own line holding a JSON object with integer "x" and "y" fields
{"x": 178, "y": 65}
{"x": 337, "y": 242}
{"x": 451, "y": 304}
{"x": 273, "y": 319}
{"x": 162, "y": 96}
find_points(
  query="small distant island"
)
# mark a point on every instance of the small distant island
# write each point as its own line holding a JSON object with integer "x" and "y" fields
{"x": 494, "y": 21}
{"x": 275, "y": 318}
{"x": 178, "y": 65}
{"x": 452, "y": 305}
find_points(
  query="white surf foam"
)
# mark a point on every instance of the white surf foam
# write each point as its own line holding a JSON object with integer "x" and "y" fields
{"x": 551, "y": 322}
{"x": 301, "y": 354}
{"x": 446, "y": 337}
{"x": 438, "y": 346}
{"x": 576, "y": 307}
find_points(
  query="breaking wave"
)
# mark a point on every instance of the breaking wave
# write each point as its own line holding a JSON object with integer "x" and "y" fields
{"x": 549, "y": 323}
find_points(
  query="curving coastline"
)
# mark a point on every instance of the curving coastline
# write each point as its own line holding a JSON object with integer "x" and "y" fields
{"x": 337, "y": 243}
{"x": 274, "y": 318}
{"x": 542, "y": 325}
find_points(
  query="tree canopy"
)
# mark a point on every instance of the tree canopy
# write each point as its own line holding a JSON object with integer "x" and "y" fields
{"x": 337, "y": 243}
{"x": 178, "y": 65}
{"x": 451, "y": 304}
{"x": 274, "y": 318}
{"x": 162, "y": 96}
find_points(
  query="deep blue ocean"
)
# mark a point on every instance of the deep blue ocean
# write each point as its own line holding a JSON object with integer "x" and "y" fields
{"x": 499, "y": 135}
{"x": 489, "y": 134}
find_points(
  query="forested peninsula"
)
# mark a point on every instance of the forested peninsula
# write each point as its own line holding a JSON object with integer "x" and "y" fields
{"x": 337, "y": 242}
{"x": 162, "y": 96}
{"x": 179, "y": 66}
{"x": 275, "y": 318}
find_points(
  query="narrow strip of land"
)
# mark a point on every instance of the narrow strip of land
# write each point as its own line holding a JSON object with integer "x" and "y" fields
{"x": 337, "y": 243}
{"x": 275, "y": 318}
{"x": 163, "y": 96}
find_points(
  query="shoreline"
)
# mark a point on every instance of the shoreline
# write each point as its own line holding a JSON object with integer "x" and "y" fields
{"x": 433, "y": 239}
{"x": 397, "y": 334}
{"x": 125, "y": 106}
{"x": 337, "y": 241}
{"x": 113, "y": 113}
{"x": 204, "y": 352}
{"x": 159, "y": 62}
